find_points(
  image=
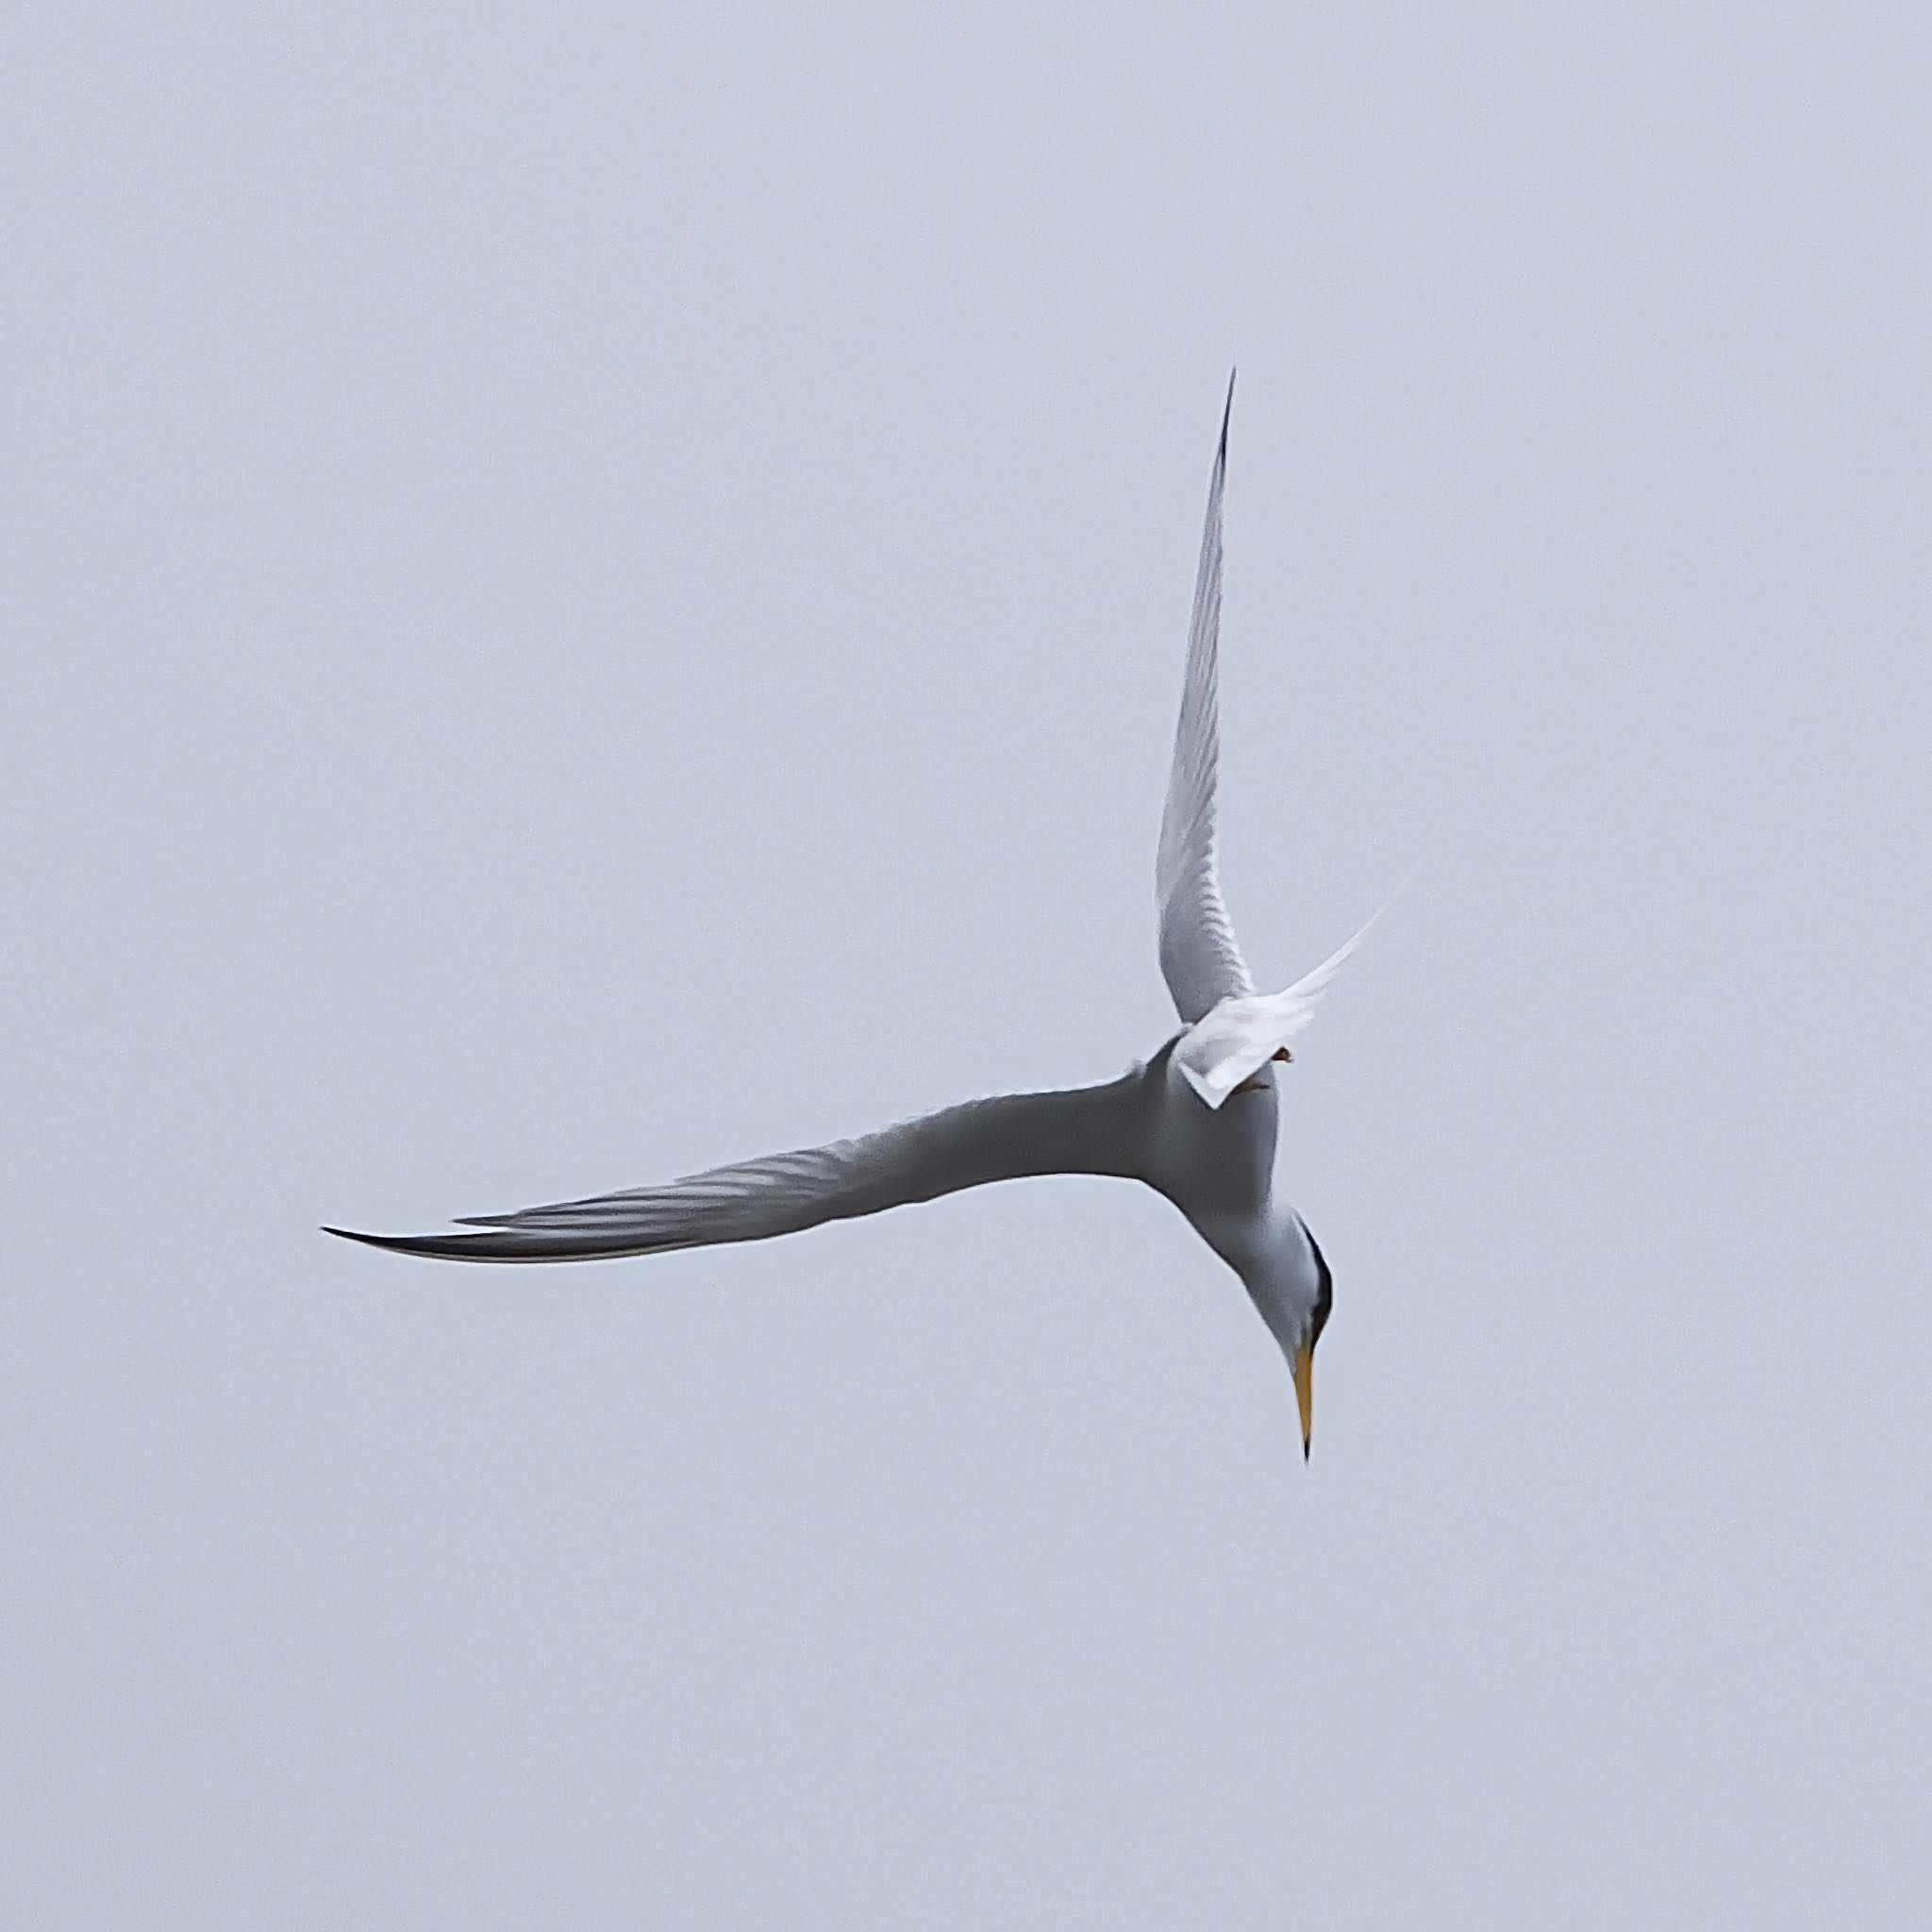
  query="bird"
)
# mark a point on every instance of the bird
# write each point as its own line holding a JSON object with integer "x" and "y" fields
{"x": 1197, "y": 1121}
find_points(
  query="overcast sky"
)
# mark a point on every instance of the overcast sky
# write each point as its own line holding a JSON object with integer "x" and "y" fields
{"x": 589, "y": 592}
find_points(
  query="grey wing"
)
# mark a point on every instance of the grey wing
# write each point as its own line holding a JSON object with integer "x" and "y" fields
{"x": 1077, "y": 1130}
{"x": 1200, "y": 956}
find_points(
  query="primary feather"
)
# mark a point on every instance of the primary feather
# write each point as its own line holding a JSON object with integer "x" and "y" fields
{"x": 1200, "y": 956}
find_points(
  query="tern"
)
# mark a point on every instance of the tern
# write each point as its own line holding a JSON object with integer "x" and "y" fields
{"x": 1196, "y": 1121}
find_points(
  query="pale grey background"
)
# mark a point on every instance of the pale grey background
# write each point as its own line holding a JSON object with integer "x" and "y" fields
{"x": 590, "y": 590}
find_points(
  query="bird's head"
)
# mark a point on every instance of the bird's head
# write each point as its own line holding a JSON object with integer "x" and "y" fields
{"x": 1303, "y": 1361}
{"x": 1296, "y": 1306}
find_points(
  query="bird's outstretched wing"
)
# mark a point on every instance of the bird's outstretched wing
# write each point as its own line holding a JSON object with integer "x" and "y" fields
{"x": 1200, "y": 957}
{"x": 1076, "y": 1130}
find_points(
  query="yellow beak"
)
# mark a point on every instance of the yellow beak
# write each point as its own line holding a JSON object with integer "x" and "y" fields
{"x": 1303, "y": 1366}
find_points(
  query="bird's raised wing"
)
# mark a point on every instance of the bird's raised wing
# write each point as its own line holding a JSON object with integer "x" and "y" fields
{"x": 1200, "y": 956}
{"x": 1076, "y": 1130}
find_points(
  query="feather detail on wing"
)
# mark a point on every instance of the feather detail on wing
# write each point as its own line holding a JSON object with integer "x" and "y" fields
{"x": 1076, "y": 1130}
{"x": 1199, "y": 955}
{"x": 1242, "y": 1034}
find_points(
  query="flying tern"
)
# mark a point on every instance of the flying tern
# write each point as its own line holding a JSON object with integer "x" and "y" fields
{"x": 1196, "y": 1121}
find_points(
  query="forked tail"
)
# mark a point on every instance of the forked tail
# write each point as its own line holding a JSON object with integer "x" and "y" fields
{"x": 1244, "y": 1032}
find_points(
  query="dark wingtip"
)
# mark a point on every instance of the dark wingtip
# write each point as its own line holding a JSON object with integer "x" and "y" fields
{"x": 1227, "y": 411}
{"x": 499, "y": 1244}
{"x": 431, "y": 1245}
{"x": 368, "y": 1241}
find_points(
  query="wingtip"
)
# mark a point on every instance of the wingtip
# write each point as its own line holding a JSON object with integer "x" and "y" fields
{"x": 430, "y": 1245}
{"x": 368, "y": 1241}
{"x": 1226, "y": 412}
